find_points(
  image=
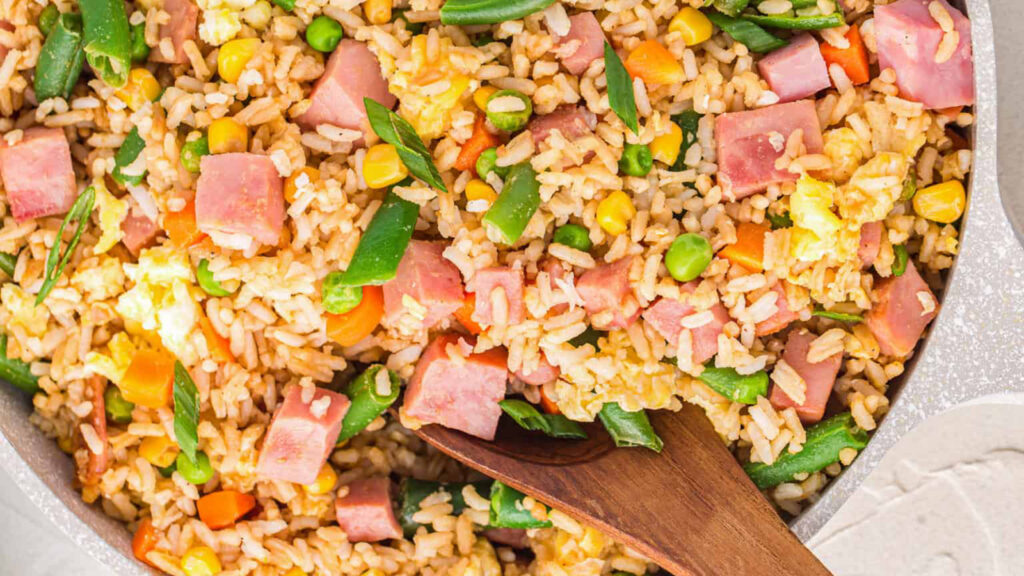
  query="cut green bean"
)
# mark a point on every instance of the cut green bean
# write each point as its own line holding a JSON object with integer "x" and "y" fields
{"x": 851, "y": 318}
{"x": 108, "y": 40}
{"x": 833, "y": 20}
{"x": 16, "y": 371}
{"x": 689, "y": 122}
{"x": 507, "y": 509}
{"x": 383, "y": 243}
{"x": 748, "y": 33}
{"x": 529, "y": 418}
{"x": 118, "y": 409}
{"x": 899, "y": 264}
{"x": 620, "y": 89}
{"x": 471, "y": 12}
{"x": 140, "y": 50}
{"x": 207, "y": 282}
{"x": 47, "y": 19}
{"x": 55, "y": 260}
{"x": 60, "y": 60}
{"x": 515, "y": 205}
{"x": 488, "y": 162}
{"x": 196, "y": 472}
{"x": 825, "y": 441}
{"x": 742, "y": 388}
{"x": 414, "y": 491}
{"x": 369, "y": 400}
{"x": 629, "y": 429}
{"x": 126, "y": 155}
{"x": 338, "y": 298}
{"x": 192, "y": 153}
{"x": 8, "y": 262}
{"x": 573, "y": 236}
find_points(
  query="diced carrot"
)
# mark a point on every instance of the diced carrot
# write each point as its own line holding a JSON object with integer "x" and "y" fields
{"x": 853, "y": 60}
{"x": 145, "y": 540}
{"x": 465, "y": 314}
{"x": 480, "y": 140}
{"x": 748, "y": 250}
{"x": 291, "y": 188}
{"x": 222, "y": 509}
{"x": 654, "y": 64}
{"x": 149, "y": 379}
{"x": 547, "y": 404}
{"x": 219, "y": 347}
{"x": 181, "y": 226}
{"x": 351, "y": 327}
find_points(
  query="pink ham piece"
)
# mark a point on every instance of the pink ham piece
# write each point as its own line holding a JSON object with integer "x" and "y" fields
{"x": 586, "y": 35}
{"x": 511, "y": 537}
{"x": 908, "y": 39}
{"x": 5, "y": 25}
{"x": 180, "y": 28}
{"x": 352, "y": 73}
{"x": 302, "y": 435}
{"x": 870, "y": 242}
{"x": 607, "y": 296}
{"x": 544, "y": 372}
{"x": 556, "y": 274}
{"x": 485, "y": 282}
{"x": 750, "y": 142}
{"x": 38, "y": 175}
{"x": 92, "y": 465}
{"x": 427, "y": 277}
{"x": 782, "y": 318}
{"x": 819, "y": 378}
{"x": 366, "y": 513}
{"x": 899, "y": 317}
{"x": 239, "y": 198}
{"x": 461, "y": 393}
{"x": 572, "y": 121}
{"x": 139, "y": 231}
{"x": 797, "y": 70}
{"x": 667, "y": 313}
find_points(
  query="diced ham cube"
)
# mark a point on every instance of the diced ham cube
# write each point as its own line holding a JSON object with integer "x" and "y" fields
{"x": 750, "y": 142}
{"x": 302, "y": 435}
{"x": 460, "y": 393}
{"x": 139, "y": 230}
{"x": 544, "y": 372}
{"x": 782, "y": 318}
{"x": 666, "y": 315}
{"x": 427, "y": 277}
{"x": 870, "y": 242}
{"x": 92, "y": 465}
{"x": 352, "y": 73}
{"x": 586, "y": 35}
{"x": 483, "y": 285}
{"x": 796, "y": 71}
{"x": 38, "y": 175}
{"x": 239, "y": 198}
{"x": 607, "y": 296}
{"x": 366, "y": 513}
{"x": 557, "y": 274}
{"x": 819, "y": 378}
{"x": 512, "y": 537}
{"x": 904, "y": 308}
{"x": 180, "y": 28}
{"x": 572, "y": 121}
{"x": 908, "y": 39}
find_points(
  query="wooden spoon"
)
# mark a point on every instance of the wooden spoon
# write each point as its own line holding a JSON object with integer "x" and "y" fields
{"x": 690, "y": 509}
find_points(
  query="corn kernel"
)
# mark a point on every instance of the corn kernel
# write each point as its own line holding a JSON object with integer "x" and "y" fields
{"x": 233, "y": 57}
{"x": 324, "y": 482}
{"x": 477, "y": 189}
{"x": 615, "y": 212}
{"x": 377, "y": 11}
{"x": 227, "y": 135}
{"x": 692, "y": 25}
{"x": 200, "y": 561}
{"x": 382, "y": 167}
{"x": 665, "y": 148}
{"x": 291, "y": 186}
{"x": 160, "y": 451}
{"x": 142, "y": 87}
{"x": 481, "y": 96}
{"x": 295, "y": 571}
{"x": 943, "y": 203}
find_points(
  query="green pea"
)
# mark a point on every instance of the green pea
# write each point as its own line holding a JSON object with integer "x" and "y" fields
{"x": 573, "y": 236}
{"x": 488, "y": 161}
{"x": 140, "y": 50}
{"x": 207, "y": 283}
{"x": 286, "y": 5}
{"x": 47, "y": 18}
{"x": 636, "y": 160}
{"x": 688, "y": 256}
{"x": 510, "y": 121}
{"x": 413, "y": 27}
{"x": 118, "y": 409}
{"x": 192, "y": 152}
{"x": 198, "y": 472}
{"x": 337, "y": 298}
{"x": 324, "y": 33}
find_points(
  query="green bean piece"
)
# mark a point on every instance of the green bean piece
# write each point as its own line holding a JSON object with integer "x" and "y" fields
{"x": 338, "y": 298}
{"x": 515, "y": 205}
{"x": 819, "y": 22}
{"x": 368, "y": 400}
{"x": 286, "y": 5}
{"x": 636, "y": 160}
{"x": 16, "y": 371}
{"x": 797, "y": 4}
{"x": 8, "y": 262}
{"x": 482, "y": 40}
{"x": 470, "y": 12}
{"x": 779, "y": 221}
{"x": 413, "y": 492}
{"x": 207, "y": 282}
{"x": 192, "y": 152}
{"x": 840, "y": 316}
{"x": 186, "y": 412}
{"x": 118, "y": 409}
{"x": 488, "y": 162}
{"x": 589, "y": 336}
{"x": 730, "y": 7}
{"x": 383, "y": 243}
{"x": 507, "y": 509}
{"x": 47, "y": 19}
{"x": 620, "y": 89}
{"x": 108, "y": 40}
{"x": 757, "y": 39}
{"x": 629, "y": 429}
{"x": 529, "y": 418}
{"x": 512, "y": 120}
{"x": 140, "y": 50}
{"x": 573, "y": 236}
{"x": 60, "y": 60}
{"x": 899, "y": 265}
{"x": 412, "y": 27}
{"x": 55, "y": 260}
{"x": 397, "y": 131}
{"x": 689, "y": 122}
{"x": 688, "y": 256}
{"x": 324, "y": 33}
{"x": 742, "y": 388}
{"x": 126, "y": 155}
{"x": 198, "y": 472}
{"x": 909, "y": 187}
{"x": 825, "y": 441}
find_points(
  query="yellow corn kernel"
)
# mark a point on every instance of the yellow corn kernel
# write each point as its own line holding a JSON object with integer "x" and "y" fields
{"x": 477, "y": 189}
{"x": 382, "y": 167}
{"x": 295, "y": 571}
{"x": 142, "y": 87}
{"x": 692, "y": 25}
{"x": 160, "y": 451}
{"x": 481, "y": 96}
{"x": 615, "y": 212}
{"x": 377, "y": 11}
{"x": 592, "y": 542}
{"x": 665, "y": 148}
{"x": 943, "y": 203}
{"x": 291, "y": 185}
{"x": 227, "y": 135}
{"x": 233, "y": 57}
{"x": 324, "y": 482}
{"x": 200, "y": 561}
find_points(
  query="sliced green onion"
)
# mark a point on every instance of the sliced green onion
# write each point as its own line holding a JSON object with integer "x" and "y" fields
{"x": 396, "y": 131}
{"x": 118, "y": 409}
{"x": 825, "y": 441}
{"x": 832, "y": 20}
{"x": 55, "y": 260}
{"x": 108, "y": 40}
{"x": 192, "y": 153}
{"x": 367, "y": 402}
{"x": 515, "y": 205}
{"x": 15, "y": 371}
{"x": 207, "y": 283}
{"x": 186, "y": 412}
{"x": 589, "y": 336}
{"x": 899, "y": 265}
{"x": 471, "y": 12}
{"x": 47, "y": 19}
{"x": 140, "y": 50}
{"x": 383, "y": 243}
{"x": 620, "y": 88}
{"x": 779, "y": 220}
{"x": 573, "y": 236}
{"x": 909, "y": 187}
{"x": 730, "y": 7}
{"x": 60, "y": 60}
{"x": 198, "y": 472}
{"x": 338, "y": 298}
{"x": 747, "y": 33}
{"x": 8, "y": 262}
{"x": 529, "y": 418}
{"x": 851, "y": 318}
{"x": 742, "y": 388}
{"x": 507, "y": 509}
{"x": 413, "y": 492}
{"x": 689, "y": 122}
{"x": 129, "y": 151}
{"x": 629, "y": 429}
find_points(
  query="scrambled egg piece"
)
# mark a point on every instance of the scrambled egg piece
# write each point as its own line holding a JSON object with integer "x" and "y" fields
{"x": 112, "y": 213}
{"x": 430, "y": 92}
{"x": 220, "y": 23}
{"x": 843, "y": 147}
{"x": 112, "y": 366}
{"x": 102, "y": 281}
{"x": 162, "y": 300}
{"x": 817, "y": 232}
{"x": 23, "y": 310}
{"x": 873, "y": 189}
